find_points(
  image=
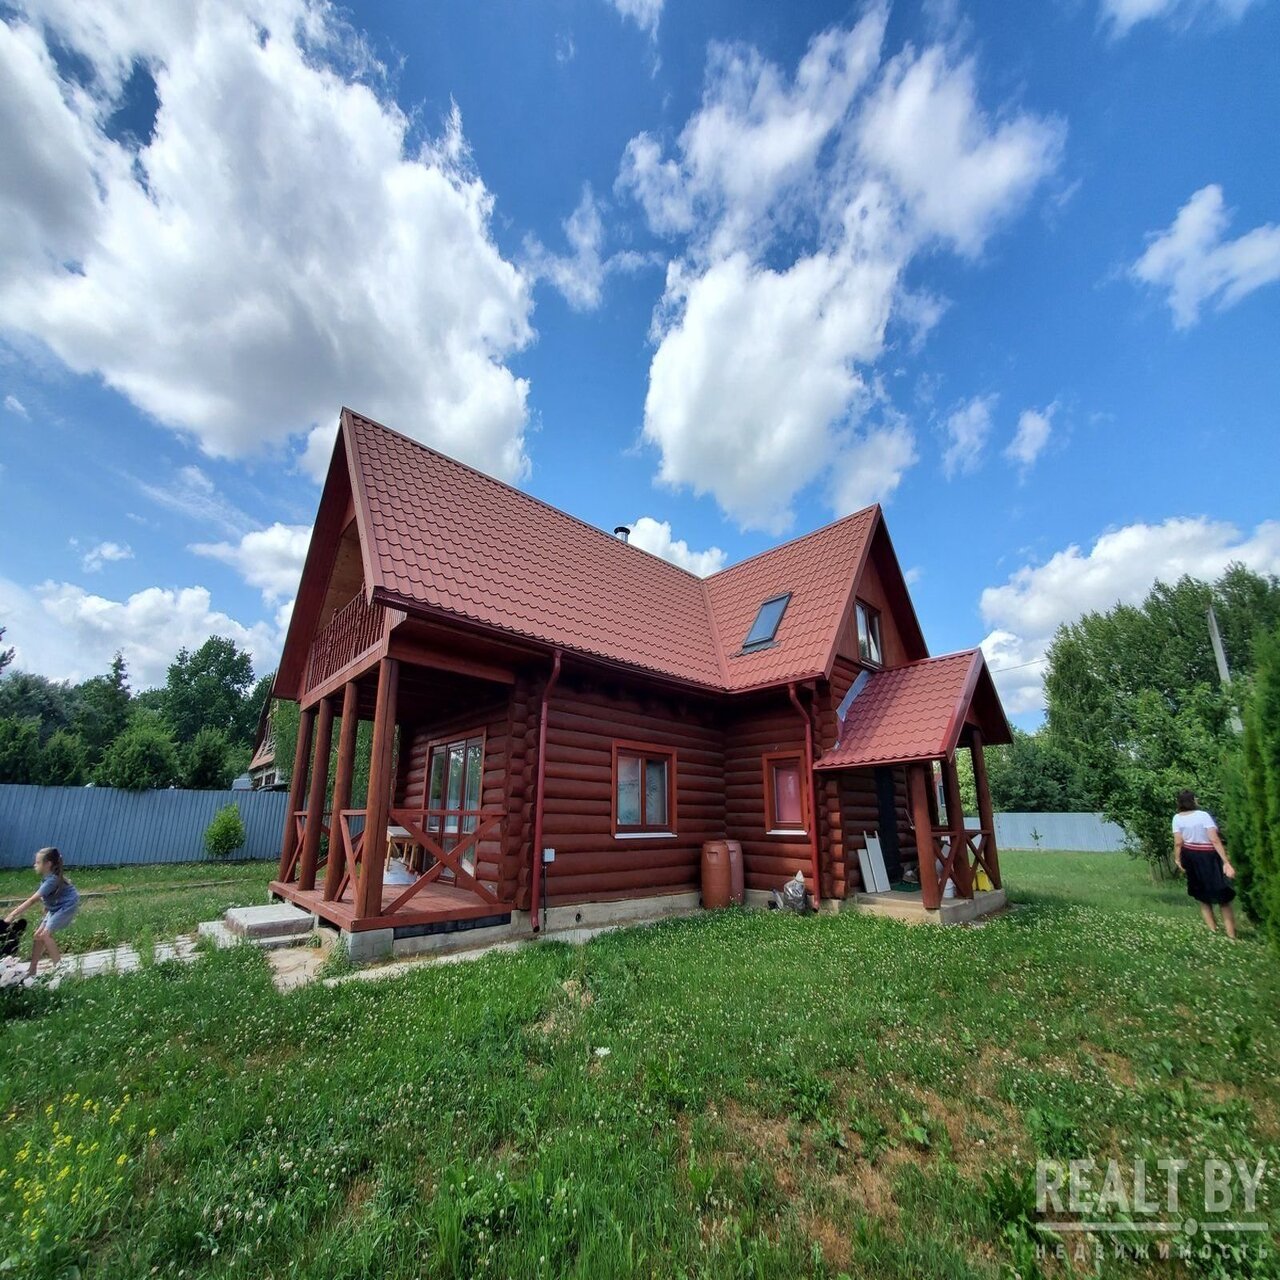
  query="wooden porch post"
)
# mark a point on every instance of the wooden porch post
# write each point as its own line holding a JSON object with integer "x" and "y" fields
{"x": 297, "y": 788}
{"x": 985, "y": 813}
{"x": 922, "y": 817}
{"x": 961, "y": 871}
{"x": 315, "y": 802}
{"x": 337, "y": 863}
{"x": 369, "y": 894}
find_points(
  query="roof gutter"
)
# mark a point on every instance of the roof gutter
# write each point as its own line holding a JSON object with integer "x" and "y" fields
{"x": 813, "y": 792}
{"x": 535, "y": 866}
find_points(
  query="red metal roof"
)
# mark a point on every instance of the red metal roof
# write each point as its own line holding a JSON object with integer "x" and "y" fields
{"x": 916, "y": 712}
{"x": 443, "y": 536}
{"x": 819, "y": 570}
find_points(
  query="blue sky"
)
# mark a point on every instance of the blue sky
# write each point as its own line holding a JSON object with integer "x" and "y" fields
{"x": 724, "y": 271}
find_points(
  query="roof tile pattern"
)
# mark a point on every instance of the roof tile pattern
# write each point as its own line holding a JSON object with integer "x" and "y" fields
{"x": 906, "y": 713}
{"x": 450, "y": 538}
{"x": 819, "y": 571}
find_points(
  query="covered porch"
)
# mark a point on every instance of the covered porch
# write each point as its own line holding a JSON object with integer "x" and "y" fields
{"x": 915, "y": 718}
{"x": 422, "y": 851}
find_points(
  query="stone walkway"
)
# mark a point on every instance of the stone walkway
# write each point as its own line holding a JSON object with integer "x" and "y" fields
{"x": 89, "y": 964}
{"x": 291, "y": 967}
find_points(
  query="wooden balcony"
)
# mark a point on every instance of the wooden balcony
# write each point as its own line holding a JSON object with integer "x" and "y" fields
{"x": 352, "y": 632}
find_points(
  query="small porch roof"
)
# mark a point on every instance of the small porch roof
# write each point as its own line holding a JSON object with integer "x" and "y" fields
{"x": 918, "y": 712}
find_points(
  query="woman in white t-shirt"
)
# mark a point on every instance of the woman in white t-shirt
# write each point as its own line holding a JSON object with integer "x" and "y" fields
{"x": 1198, "y": 851}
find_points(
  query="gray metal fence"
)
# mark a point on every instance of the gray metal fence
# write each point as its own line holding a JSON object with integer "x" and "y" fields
{"x": 100, "y": 826}
{"x": 1079, "y": 832}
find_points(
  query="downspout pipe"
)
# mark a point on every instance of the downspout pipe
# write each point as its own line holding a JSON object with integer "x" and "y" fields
{"x": 813, "y": 793}
{"x": 535, "y": 866}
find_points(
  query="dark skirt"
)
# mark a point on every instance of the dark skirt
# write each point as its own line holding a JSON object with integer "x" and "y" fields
{"x": 1205, "y": 880}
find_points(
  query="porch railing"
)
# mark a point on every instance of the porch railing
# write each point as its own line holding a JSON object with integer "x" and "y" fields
{"x": 352, "y": 631}
{"x": 446, "y": 843}
{"x": 962, "y": 860}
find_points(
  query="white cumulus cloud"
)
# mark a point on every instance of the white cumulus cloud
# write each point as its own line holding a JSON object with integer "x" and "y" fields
{"x": 105, "y": 553}
{"x": 67, "y": 633}
{"x": 14, "y": 405}
{"x": 797, "y": 202}
{"x": 1035, "y": 426}
{"x": 655, "y": 537}
{"x": 966, "y": 429}
{"x": 280, "y": 244}
{"x": 269, "y": 559}
{"x": 1120, "y": 568}
{"x": 1193, "y": 262}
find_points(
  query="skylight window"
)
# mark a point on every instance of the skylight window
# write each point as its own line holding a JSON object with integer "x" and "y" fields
{"x": 765, "y": 627}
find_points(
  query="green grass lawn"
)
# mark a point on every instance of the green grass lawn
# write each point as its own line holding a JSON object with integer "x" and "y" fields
{"x": 738, "y": 1095}
{"x": 130, "y": 904}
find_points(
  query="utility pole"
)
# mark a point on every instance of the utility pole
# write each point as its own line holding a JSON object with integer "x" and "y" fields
{"x": 1224, "y": 672}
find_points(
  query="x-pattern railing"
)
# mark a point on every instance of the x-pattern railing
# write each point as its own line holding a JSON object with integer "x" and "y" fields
{"x": 430, "y": 829}
{"x": 974, "y": 849}
{"x": 299, "y": 835}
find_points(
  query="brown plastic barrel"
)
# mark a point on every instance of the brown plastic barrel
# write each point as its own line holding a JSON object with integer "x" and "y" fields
{"x": 716, "y": 877}
{"x": 737, "y": 883}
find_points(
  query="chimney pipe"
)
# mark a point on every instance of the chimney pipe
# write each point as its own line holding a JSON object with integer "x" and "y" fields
{"x": 622, "y": 533}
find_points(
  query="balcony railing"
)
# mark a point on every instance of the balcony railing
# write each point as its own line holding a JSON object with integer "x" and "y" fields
{"x": 352, "y": 631}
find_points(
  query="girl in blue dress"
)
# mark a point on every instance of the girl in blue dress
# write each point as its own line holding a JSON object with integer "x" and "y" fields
{"x": 60, "y": 900}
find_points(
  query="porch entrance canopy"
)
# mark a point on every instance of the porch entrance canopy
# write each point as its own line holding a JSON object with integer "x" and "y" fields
{"x": 917, "y": 712}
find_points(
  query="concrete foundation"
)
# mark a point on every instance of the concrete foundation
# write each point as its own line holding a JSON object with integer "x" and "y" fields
{"x": 908, "y": 907}
{"x": 369, "y": 944}
{"x": 596, "y": 915}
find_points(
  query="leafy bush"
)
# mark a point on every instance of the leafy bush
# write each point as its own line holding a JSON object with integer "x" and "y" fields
{"x": 225, "y": 833}
{"x": 64, "y": 761}
{"x": 141, "y": 758}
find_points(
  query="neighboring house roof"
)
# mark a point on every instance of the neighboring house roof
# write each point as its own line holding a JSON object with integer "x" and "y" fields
{"x": 916, "y": 712}
{"x": 440, "y": 537}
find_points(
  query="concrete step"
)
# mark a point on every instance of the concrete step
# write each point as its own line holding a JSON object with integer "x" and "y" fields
{"x": 277, "y": 920}
{"x": 223, "y": 937}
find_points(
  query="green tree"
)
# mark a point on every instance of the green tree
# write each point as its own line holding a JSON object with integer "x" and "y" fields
{"x": 26, "y": 696}
{"x": 143, "y": 757}
{"x": 225, "y": 834}
{"x": 1034, "y": 774}
{"x": 1253, "y": 794}
{"x": 205, "y": 761}
{"x": 63, "y": 761}
{"x": 208, "y": 689}
{"x": 251, "y": 711}
{"x": 1134, "y": 696}
{"x": 284, "y": 735}
{"x": 102, "y": 710}
{"x": 6, "y": 655}
{"x": 19, "y": 749}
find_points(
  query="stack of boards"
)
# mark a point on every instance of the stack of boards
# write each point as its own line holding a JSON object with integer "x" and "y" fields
{"x": 875, "y": 879}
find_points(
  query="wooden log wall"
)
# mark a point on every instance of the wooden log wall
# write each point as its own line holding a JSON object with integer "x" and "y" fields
{"x": 522, "y": 784}
{"x": 493, "y": 867}
{"x": 860, "y": 813}
{"x": 833, "y": 859}
{"x": 764, "y": 725}
{"x": 585, "y": 718}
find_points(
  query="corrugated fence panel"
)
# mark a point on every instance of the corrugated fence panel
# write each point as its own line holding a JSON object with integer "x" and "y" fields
{"x": 100, "y": 826}
{"x": 1077, "y": 832}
